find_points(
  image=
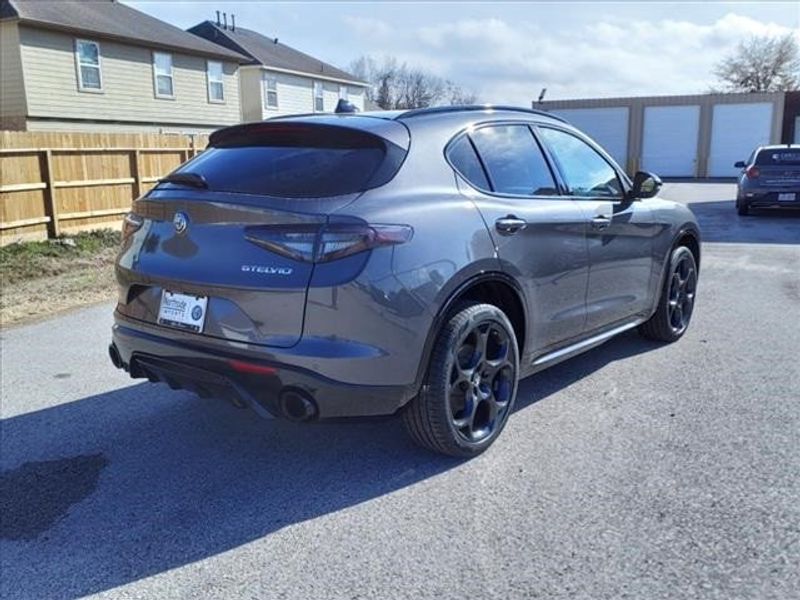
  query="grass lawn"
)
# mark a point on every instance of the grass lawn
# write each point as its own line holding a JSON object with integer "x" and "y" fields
{"x": 41, "y": 278}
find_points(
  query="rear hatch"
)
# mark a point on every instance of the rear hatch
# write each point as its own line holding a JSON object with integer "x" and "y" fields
{"x": 226, "y": 246}
{"x": 779, "y": 168}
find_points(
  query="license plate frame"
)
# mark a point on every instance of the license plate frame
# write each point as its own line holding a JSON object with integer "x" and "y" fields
{"x": 182, "y": 311}
{"x": 787, "y": 197}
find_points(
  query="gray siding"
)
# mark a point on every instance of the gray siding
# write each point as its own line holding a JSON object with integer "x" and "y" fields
{"x": 12, "y": 88}
{"x": 51, "y": 84}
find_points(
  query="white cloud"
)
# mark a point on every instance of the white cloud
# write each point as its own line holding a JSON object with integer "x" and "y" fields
{"x": 509, "y": 62}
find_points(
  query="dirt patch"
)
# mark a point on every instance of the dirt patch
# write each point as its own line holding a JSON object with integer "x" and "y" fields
{"x": 43, "y": 278}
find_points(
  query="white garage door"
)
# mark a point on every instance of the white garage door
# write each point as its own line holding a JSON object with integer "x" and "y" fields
{"x": 607, "y": 126}
{"x": 735, "y": 130}
{"x": 669, "y": 145}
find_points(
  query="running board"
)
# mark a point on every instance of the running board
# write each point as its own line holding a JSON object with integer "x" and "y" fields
{"x": 564, "y": 353}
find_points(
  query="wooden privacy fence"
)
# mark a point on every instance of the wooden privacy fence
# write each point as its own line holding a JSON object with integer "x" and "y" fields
{"x": 51, "y": 184}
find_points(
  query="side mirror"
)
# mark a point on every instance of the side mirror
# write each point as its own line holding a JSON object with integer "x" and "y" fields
{"x": 645, "y": 185}
{"x": 740, "y": 164}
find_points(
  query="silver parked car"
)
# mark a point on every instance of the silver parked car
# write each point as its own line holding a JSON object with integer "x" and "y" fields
{"x": 770, "y": 178}
{"x": 416, "y": 262}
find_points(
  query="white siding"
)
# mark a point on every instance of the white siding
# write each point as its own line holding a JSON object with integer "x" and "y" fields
{"x": 670, "y": 138}
{"x": 295, "y": 94}
{"x": 736, "y": 129}
{"x": 51, "y": 83}
{"x": 12, "y": 88}
{"x": 607, "y": 126}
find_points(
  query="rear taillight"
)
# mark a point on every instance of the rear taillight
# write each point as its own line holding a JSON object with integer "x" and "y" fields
{"x": 753, "y": 172}
{"x": 131, "y": 224}
{"x": 330, "y": 242}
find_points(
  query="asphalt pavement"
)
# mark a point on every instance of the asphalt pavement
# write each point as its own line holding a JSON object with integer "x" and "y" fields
{"x": 634, "y": 471}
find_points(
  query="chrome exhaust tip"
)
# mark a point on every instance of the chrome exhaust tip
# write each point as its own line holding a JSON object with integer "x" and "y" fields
{"x": 297, "y": 405}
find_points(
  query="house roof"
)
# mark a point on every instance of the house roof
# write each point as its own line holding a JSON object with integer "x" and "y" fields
{"x": 111, "y": 19}
{"x": 269, "y": 52}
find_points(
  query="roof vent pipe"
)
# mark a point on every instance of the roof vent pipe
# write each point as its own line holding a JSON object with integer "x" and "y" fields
{"x": 224, "y": 20}
{"x": 218, "y": 23}
{"x": 233, "y": 22}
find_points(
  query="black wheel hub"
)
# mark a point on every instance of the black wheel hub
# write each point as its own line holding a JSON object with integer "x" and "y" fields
{"x": 481, "y": 382}
{"x": 680, "y": 303}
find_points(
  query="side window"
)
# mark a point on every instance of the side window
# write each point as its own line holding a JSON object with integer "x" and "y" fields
{"x": 87, "y": 54}
{"x": 514, "y": 161}
{"x": 462, "y": 156}
{"x": 586, "y": 172}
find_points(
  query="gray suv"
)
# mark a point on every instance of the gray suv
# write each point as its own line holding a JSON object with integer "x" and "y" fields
{"x": 416, "y": 262}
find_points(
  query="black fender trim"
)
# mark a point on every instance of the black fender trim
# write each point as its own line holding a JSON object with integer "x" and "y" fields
{"x": 446, "y": 307}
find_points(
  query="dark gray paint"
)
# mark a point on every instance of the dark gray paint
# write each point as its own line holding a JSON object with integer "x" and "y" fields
{"x": 374, "y": 328}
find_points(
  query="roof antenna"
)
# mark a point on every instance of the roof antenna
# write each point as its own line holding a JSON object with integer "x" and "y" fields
{"x": 224, "y": 20}
{"x": 233, "y": 22}
{"x": 218, "y": 23}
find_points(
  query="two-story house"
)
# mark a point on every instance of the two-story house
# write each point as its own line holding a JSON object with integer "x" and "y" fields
{"x": 278, "y": 79}
{"x": 104, "y": 66}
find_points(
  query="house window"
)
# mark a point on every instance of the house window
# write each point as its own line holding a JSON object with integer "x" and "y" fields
{"x": 87, "y": 55}
{"x": 270, "y": 91}
{"x": 162, "y": 75}
{"x": 343, "y": 93}
{"x": 319, "y": 98}
{"x": 216, "y": 83}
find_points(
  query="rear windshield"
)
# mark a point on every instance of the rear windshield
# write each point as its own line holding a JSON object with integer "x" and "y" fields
{"x": 295, "y": 161}
{"x": 780, "y": 157}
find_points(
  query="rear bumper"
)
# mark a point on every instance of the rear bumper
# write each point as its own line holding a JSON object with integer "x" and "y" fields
{"x": 769, "y": 199}
{"x": 263, "y": 384}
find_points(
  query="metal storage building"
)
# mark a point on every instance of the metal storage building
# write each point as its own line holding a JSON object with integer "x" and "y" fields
{"x": 685, "y": 136}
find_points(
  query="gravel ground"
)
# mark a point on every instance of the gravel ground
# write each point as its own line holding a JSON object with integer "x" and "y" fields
{"x": 634, "y": 471}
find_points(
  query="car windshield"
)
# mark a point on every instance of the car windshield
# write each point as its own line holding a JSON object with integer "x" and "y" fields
{"x": 779, "y": 157}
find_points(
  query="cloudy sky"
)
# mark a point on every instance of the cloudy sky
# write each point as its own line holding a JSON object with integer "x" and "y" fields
{"x": 507, "y": 52}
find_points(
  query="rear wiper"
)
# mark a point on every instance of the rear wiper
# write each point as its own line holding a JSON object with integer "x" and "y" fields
{"x": 186, "y": 178}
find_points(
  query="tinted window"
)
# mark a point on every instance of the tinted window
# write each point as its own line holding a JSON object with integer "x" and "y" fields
{"x": 585, "y": 171}
{"x": 514, "y": 160}
{"x": 294, "y": 161}
{"x": 780, "y": 157}
{"x": 462, "y": 156}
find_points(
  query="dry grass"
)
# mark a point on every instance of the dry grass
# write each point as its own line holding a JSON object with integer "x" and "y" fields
{"x": 43, "y": 278}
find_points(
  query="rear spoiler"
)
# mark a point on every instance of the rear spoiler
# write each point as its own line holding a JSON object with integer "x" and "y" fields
{"x": 338, "y": 131}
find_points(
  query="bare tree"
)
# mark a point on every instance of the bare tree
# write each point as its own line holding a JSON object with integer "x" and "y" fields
{"x": 395, "y": 85}
{"x": 761, "y": 64}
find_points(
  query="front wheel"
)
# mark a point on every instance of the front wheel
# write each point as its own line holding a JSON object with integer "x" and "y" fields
{"x": 676, "y": 304}
{"x": 471, "y": 384}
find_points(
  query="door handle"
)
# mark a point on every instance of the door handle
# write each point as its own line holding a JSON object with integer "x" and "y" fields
{"x": 600, "y": 222}
{"x": 510, "y": 225}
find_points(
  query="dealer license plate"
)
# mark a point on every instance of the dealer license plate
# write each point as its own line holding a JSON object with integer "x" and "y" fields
{"x": 786, "y": 197}
{"x": 182, "y": 311}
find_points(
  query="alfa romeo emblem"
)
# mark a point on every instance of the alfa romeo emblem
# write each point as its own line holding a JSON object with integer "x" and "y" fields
{"x": 180, "y": 221}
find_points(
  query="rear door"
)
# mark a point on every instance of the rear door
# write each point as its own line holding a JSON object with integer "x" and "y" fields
{"x": 539, "y": 234}
{"x": 235, "y": 235}
{"x": 619, "y": 232}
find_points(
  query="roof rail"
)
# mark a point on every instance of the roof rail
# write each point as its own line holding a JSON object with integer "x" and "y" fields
{"x": 416, "y": 112}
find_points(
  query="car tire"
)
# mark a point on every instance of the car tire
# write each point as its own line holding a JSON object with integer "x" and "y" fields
{"x": 742, "y": 209}
{"x": 470, "y": 386}
{"x": 676, "y": 304}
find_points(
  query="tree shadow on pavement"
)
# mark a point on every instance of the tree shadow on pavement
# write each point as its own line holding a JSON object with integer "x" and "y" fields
{"x": 116, "y": 487}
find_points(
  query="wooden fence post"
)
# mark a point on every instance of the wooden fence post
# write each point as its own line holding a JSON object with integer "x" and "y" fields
{"x": 51, "y": 207}
{"x": 137, "y": 176}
